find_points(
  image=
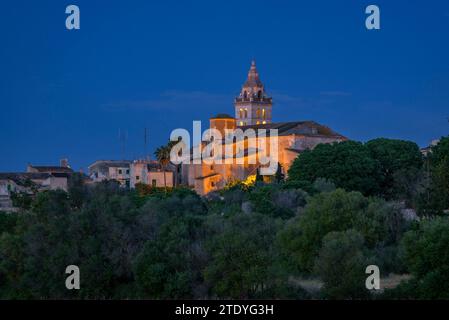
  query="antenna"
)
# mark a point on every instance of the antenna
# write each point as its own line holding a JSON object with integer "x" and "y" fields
{"x": 145, "y": 143}
{"x": 122, "y": 136}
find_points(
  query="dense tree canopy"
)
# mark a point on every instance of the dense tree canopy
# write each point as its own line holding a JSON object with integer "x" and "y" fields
{"x": 348, "y": 165}
{"x": 380, "y": 224}
{"x": 401, "y": 162}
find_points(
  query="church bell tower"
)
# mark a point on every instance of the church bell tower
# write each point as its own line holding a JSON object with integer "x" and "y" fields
{"x": 253, "y": 105}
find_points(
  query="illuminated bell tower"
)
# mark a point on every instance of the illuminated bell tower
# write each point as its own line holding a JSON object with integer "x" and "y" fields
{"x": 253, "y": 106}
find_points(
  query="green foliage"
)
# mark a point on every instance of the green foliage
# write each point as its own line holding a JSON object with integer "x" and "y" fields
{"x": 427, "y": 256}
{"x": 434, "y": 200}
{"x": 401, "y": 162}
{"x": 341, "y": 265}
{"x": 244, "y": 261}
{"x": 379, "y": 223}
{"x": 7, "y": 221}
{"x": 21, "y": 200}
{"x": 77, "y": 190}
{"x": 274, "y": 201}
{"x": 169, "y": 266}
{"x": 349, "y": 165}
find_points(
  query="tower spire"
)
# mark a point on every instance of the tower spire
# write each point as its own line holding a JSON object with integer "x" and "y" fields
{"x": 253, "y": 106}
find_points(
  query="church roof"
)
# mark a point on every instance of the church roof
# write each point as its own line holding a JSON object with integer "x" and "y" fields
{"x": 306, "y": 128}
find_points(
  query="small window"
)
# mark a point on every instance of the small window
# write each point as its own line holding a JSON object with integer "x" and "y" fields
{"x": 137, "y": 178}
{"x": 127, "y": 171}
{"x": 119, "y": 171}
{"x": 212, "y": 167}
{"x": 212, "y": 184}
{"x": 154, "y": 183}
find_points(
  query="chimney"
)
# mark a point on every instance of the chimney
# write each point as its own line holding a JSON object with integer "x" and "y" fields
{"x": 64, "y": 163}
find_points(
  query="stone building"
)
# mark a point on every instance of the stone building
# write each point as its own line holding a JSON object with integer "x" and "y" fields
{"x": 35, "y": 179}
{"x": 129, "y": 173}
{"x": 253, "y": 110}
{"x": 119, "y": 170}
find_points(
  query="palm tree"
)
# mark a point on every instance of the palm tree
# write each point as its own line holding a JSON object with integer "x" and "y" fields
{"x": 163, "y": 156}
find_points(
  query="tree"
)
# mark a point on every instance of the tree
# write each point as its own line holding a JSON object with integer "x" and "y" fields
{"x": 426, "y": 250}
{"x": 163, "y": 156}
{"x": 341, "y": 265}
{"x": 349, "y": 165}
{"x": 301, "y": 239}
{"x": 242, "y": 258}
{"x": 401, "y": 162}
{"x": 434, "y": 200}
{"x": 169, "y": 266}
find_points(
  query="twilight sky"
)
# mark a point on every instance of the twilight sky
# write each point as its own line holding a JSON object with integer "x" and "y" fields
{"x": 162, "y": 64}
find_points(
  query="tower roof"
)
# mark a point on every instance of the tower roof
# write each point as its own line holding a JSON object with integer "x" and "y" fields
{"x": 253, "y": 79}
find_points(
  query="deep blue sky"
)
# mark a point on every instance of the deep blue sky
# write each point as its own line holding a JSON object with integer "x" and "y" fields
{"x": 162, "y": 64}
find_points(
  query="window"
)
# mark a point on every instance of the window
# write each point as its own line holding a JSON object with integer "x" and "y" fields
{"x": 127, "y": 171}
{"x": 258, "y": 113}
{"x": 245, "y": 95}
{"x": 259, "y": 94}
{"x": 137, "y": 178}
{"x": 246, "y": 113}
{"x": 212, "y": 184}
{"x": 212, "y": 167}
{"x": 154, "y": 183}
{"x": 263, "y": 114}
{"x": 119, "y": 171}
{"x": 241, "y": 113}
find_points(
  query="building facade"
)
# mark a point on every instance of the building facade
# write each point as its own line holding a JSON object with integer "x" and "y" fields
{"x": 129, "y": 173}
{"x": 35, "y": 179}
{"x": 253, "y": 105}
{"x": 253, "y": 111}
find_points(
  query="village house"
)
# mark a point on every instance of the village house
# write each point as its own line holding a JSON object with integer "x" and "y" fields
{"x": 35, "y": 179}
{"x": 129, "y": 173}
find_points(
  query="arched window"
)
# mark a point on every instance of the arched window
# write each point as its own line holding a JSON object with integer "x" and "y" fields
{"x": 241, "y": 113}
{"x": 258, "y": 113}
{"x": 245, "y": 95}
{"x": 259, "y": 94}
{"x": 246, "y": 113}
{"x": 263, "y": 114}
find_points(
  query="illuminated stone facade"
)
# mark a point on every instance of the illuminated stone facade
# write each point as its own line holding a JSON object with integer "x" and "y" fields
{"x": 253, "y": 111}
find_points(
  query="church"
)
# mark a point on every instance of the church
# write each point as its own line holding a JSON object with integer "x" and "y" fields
{"x": 253, "y": 110}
